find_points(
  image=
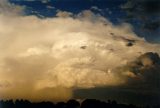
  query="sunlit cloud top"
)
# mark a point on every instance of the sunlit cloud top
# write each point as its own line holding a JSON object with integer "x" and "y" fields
{"x": 48, "y": 58}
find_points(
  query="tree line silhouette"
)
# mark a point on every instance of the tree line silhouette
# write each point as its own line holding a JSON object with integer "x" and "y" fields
{"x": 88, "y": 103}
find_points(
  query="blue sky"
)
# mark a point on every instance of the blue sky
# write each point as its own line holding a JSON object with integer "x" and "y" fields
{"x": 111, "y": 9}
{"x": 108, "y": 8}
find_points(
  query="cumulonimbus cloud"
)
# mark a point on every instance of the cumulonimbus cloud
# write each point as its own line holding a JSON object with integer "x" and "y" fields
{"x": 63, "y": 53}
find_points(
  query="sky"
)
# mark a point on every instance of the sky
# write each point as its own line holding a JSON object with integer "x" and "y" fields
{"x": 60, "y": 49}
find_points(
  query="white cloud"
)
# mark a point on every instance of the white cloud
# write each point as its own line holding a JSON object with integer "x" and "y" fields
{"x": 50, "y": 7}
{"x": 29, "y": 0}
{"x": 96, "y": 8}
{"x": 45, "y": 1}
{"x": 63, "y": 13}
{"x": 64, "y": 52}
{"x": 10, "y": 9}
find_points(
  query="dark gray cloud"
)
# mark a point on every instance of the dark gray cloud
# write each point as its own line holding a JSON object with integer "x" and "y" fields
{"x": 142, "y": 9}
{"x": 143, "y": 74}
{"x": 146, "y": 70}
{"x": 121, "y": 94}
{"x": 145, "y": 16}
{"x": 142, "y": 87}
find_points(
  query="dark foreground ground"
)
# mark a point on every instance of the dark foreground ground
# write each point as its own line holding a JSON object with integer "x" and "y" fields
{"x": 88, "y": 103}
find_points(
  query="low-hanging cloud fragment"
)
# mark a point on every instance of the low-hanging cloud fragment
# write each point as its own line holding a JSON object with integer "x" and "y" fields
{"x": 63, "y": 53}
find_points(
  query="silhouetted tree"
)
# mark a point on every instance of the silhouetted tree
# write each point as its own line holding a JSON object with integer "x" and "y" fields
{"x": 88, "y": 103}
{"x": 73, "y": 104}
{"x": 61, "y": 105}
{"x": 91, "y": 103}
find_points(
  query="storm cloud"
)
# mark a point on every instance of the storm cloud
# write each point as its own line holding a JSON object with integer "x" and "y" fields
{"x": 142, "y": 84}
{"x": 49, "y": 58}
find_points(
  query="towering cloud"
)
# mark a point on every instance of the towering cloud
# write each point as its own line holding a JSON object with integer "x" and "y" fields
{"x": 48, "y": 58}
